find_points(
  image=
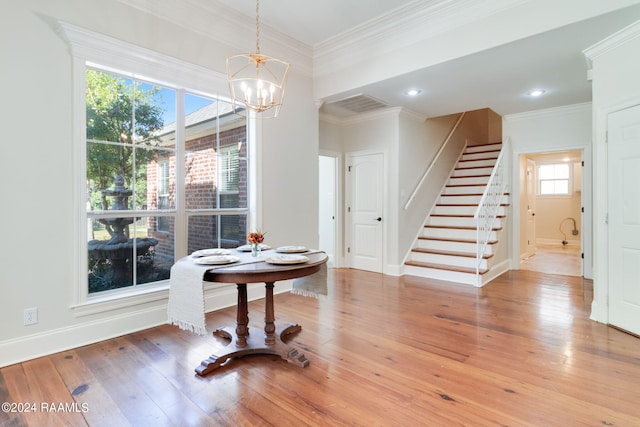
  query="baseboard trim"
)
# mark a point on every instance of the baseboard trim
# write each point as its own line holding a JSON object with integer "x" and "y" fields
{"x": 152, "y": 314}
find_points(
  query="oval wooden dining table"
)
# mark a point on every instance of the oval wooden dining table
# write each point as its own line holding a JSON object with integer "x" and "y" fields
{"x": 241, "y": 343}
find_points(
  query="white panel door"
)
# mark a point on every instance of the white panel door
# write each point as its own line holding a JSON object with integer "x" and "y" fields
{"x": 365, "y": 207}
{"x": 624, "y": 218}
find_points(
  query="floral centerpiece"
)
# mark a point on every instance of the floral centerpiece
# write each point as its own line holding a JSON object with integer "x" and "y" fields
{"x": 255, "y": 239}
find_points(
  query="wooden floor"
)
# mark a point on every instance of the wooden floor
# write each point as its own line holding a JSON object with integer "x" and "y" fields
{"x": 555, "y": 259}
{"x": 384, "y": 351}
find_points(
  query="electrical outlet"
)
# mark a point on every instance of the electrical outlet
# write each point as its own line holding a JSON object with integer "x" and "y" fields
{"x": 30, "y": 316}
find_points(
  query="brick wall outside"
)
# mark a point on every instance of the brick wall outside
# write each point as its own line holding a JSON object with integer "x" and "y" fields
{"x": 200, "y": 193}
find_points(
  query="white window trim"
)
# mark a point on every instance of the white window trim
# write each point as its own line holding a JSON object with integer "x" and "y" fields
{"x": 88, "y": 47}
{"x": 569, "y": 183}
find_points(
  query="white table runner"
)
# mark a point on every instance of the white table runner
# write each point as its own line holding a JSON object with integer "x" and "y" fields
{"x": 186, "y": 289}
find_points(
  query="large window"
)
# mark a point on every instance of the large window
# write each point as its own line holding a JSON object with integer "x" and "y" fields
{"x": 155, "y": 178}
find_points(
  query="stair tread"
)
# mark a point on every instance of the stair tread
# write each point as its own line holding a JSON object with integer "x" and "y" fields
{"x": 477, "y": 160}
{"x": 445, "y": 267}
{"x": 495, "y": 150}
{"x": 470, "y": 176}
{"x": 466, "y": 204}
{"x": 452, "y": 253}
{"x": 469, "y": 194}
{"x": 449, "y": 239}
{"x": 459, "y": 227}
{"x": 461, "y": 215}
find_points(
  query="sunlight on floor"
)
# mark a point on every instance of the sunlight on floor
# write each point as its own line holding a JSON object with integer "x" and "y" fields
{"x": 554, "y": 259}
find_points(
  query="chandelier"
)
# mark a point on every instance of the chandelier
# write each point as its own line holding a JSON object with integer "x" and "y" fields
{"x": 257, "y": 81}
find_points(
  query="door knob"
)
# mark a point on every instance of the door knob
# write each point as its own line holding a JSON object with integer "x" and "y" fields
{"x": 378, "y": 219}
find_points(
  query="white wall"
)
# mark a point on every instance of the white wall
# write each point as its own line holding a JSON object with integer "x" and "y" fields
{"x": 37, "y": 170}
{"x": 549, "y": 130}
{"x": 615, "y": 70}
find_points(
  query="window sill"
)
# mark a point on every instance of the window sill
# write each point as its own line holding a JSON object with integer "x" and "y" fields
{"x": 121, "y": 299}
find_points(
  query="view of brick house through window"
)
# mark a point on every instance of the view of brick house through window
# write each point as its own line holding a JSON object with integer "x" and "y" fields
{"x": 131, "y": 134}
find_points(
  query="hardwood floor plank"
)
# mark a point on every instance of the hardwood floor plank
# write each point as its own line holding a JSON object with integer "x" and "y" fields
{"x": 87, "y": 391}
{"x": 9, "y": 417}
{"x": 383, "y": 351}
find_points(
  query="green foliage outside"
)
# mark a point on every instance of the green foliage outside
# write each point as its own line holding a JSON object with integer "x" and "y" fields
{"x": 124, "y": 118}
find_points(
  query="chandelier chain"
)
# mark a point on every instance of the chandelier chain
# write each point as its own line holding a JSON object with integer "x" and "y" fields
{"x": 257, "y": 26}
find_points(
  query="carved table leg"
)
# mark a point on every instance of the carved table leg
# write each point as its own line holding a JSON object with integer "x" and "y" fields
{"x": 242, "y": 328}
{"x": 269, "y": 316}
{"x": 245, "y": 344}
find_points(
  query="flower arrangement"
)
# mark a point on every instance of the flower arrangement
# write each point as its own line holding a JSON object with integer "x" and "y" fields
{"x": 255, "y": 239}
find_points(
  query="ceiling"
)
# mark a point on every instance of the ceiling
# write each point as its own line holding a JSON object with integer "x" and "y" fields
{"x": 497, "y": 78}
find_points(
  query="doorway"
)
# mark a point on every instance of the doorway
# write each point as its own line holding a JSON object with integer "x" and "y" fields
{"x": 551, "y": 212}
{"x": 328, "y": 167}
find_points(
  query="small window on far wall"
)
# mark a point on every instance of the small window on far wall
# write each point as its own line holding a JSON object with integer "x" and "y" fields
{"x": 554, "y": 179}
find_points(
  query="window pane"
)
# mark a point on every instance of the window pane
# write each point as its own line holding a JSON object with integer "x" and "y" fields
{"x": 546, "y": 172}
{"x": 155, "y": 264}
{"x": 213, "y": 231}
{"x": 109, "y": 106}
{"x": 114, "y": 245}
{"x": 546, "y": 187}
{"x": 200, "y": 190}
{"x": 562, "y": 171}
{"x": 561, "y": 187}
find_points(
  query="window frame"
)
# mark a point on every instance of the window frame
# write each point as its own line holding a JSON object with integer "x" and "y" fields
{"x": 93, "y": 50}
{"x": 163, "y": 177}
{"x": 569, "y": 179}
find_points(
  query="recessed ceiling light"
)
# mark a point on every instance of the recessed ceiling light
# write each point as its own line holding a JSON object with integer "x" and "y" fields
{"x": 412, "y": 92}
{"x": 536, "y": 92}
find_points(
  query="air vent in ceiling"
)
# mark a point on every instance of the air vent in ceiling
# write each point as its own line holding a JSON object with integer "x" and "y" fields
{"x": 359, "y": 103}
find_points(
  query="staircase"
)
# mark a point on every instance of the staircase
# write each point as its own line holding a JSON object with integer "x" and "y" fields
{"x": 446, "y": 248}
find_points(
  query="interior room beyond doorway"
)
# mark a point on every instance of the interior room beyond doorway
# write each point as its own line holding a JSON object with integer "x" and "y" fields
{"x": 551, "y": 212}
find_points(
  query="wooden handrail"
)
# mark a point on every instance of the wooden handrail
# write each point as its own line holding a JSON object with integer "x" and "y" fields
{"x": 433, "y": 162}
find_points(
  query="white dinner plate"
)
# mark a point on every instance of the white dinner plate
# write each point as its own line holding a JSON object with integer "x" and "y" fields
{"x": 216, "y": 259}
{"x": 247, "y": 248}
{"x": 287, "y": 259}
{"x": 291, "y": 249}
{"x": 210, "y": 252}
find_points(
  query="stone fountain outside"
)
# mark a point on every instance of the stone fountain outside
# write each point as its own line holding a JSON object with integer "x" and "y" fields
{"x": 119, "y": 249}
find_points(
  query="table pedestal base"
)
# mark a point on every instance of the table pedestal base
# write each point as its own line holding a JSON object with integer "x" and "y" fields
{"x": 254, "y": 345}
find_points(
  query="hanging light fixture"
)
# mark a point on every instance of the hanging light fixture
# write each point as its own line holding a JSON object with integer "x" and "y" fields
{"x": 257, "y": 81}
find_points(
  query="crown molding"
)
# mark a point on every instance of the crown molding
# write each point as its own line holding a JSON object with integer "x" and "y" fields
{"x": 612, "y": 42}
{"x": 231, "y": 28}
{"x": 549, "y": 112}
{"x": 407, "y": 25}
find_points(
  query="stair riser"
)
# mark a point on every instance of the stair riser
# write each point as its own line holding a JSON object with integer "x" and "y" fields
{"x": 458, "y": 222}
{"x": 446, "y": 245}
{"x": 466, "y": 200}
{"x": 484, "y": 147}
{"x": 454, "y": 233}
{"x": 449, "y": 276}
{"x": 463, "y": 210}
{"x": 489, "y": 163}
{"x": 450, "y": 260}
{"x": 472, "y": 172}
{"x": 475, "y": 180}
{"x": 478, "y": 156}
{"x": 468, "y": 189}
